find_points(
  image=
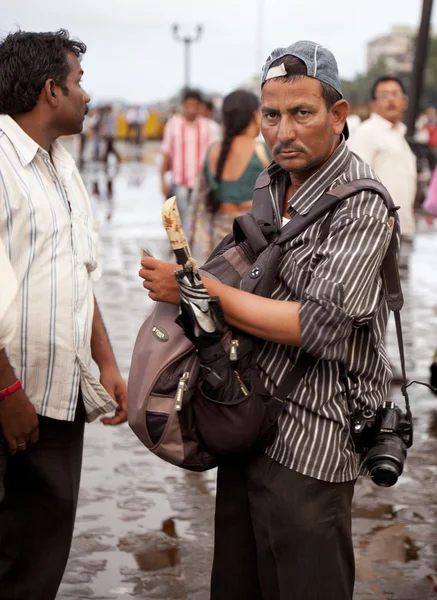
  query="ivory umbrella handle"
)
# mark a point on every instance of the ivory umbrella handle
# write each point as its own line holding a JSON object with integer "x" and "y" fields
{"x": 173, "y": 226}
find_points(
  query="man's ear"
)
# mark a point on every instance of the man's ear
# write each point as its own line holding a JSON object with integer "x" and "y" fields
{"x": 339, "y": 111}
{"x": 51, "y": 92}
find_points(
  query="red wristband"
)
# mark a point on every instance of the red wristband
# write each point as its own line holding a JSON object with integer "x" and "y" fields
{"x": 10, "y": 390}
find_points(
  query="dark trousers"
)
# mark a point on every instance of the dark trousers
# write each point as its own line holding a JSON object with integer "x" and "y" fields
{"x": 111, "y": 149}
{"x": 38, "y": 512}
{"x": 280, "y": 535}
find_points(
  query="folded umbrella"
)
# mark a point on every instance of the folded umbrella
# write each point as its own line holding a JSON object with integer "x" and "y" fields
{"x": 201, "y": 317}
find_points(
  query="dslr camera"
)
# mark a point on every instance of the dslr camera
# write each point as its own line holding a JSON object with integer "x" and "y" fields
{"x": 384, "y": 436}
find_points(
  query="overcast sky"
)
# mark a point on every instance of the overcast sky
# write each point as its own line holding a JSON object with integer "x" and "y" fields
{"x": 132, "y": 56}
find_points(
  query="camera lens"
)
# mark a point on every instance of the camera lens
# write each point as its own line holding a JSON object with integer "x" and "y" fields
{"x": 385, "y": 460}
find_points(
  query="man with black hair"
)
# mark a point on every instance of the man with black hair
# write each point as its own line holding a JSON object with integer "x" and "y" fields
{"x": 207, "y": 110}
{"x": 380, "y": 141}
{"x": 187, "y": 137}
{"x": 283, "y": 517}
{"x": 47, "y": 390}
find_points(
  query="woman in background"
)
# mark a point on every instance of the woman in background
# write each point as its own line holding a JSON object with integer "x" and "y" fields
{"x": 225, "y": 186}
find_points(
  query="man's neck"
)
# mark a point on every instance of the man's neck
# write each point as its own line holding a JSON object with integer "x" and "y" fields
{"x": 40, "y": 134}
{"x": 395, "y": 124}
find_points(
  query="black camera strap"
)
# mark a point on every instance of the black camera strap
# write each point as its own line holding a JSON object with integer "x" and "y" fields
{"x": 395, "y": 298}
{"x": 404, "y": 386}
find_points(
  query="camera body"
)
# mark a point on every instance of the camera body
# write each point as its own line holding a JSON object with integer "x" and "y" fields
{"x": 384, "y": 436}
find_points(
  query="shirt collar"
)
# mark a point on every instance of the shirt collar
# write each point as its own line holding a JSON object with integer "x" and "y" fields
{"x": 401, "y": 127}
{"x": 62, "y": 160}
{"x": 304, "y": 198}
{"x": 26, "y": 148}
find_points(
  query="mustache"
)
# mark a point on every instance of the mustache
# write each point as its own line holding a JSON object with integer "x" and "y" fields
{"x": 287, "y": 147}
{"x": 87, "y": 109}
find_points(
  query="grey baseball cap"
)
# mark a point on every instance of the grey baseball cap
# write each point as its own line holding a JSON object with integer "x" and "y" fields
{"x": 319, "y": 61}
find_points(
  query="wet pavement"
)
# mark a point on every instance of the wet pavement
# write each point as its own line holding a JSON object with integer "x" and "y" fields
{"x": 144, "y": 528}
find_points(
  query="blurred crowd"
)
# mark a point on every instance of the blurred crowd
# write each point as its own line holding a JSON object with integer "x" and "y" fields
{"x": 212, "y": 153}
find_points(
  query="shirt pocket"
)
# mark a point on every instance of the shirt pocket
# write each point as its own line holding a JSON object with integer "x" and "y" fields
{"x": 86, "y": 235}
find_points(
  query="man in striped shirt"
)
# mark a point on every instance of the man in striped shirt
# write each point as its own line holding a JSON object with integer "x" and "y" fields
{"x": 283, "y": 518}
{"x": 187, "y": 137}
{"x": 47, "y": 390}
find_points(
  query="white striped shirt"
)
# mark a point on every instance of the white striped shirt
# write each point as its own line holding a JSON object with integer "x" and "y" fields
{"x": 186, "y": 143}
{"x": 50, "y": 237}
{"x": 343, "y": 318}
{"x": 7, "y": 300}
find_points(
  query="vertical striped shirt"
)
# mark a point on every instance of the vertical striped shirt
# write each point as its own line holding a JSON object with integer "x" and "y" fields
{"x": 50, "y": 238}
{"x": 7, "y": 300}
{"x": 186, "y": 143}
{"x": 343, "y": 318}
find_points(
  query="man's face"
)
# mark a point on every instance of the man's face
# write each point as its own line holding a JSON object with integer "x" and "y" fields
{"x": 390, "y": 101}
{"x": 205, "y": 111}
{"x": 190, "y": 109}
{"x": 72, "y": 108}
{"x": 299, "y": 130}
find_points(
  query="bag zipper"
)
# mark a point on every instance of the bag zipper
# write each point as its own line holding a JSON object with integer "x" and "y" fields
{"x": 233, "y": 350}
{"x": 182, "y": 388}
{"x": 242, "y": 386}
{"x": 172, "y": 365}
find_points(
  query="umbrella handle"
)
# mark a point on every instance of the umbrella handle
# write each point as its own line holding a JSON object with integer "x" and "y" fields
{"x": 173, "y": 226}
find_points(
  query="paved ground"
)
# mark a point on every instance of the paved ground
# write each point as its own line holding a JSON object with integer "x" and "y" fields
{"x": 144, "y": 528}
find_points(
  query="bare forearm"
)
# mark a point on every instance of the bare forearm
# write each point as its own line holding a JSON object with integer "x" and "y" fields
{"x": 165, "y": 164}
{"x": 273, "y": 320}
{"x": 7, "y": 375}
{"x": 100, "y": 345}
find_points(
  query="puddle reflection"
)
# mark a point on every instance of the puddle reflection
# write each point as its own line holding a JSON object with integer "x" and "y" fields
{"x": 155, "y": 550}
{"x": 433, "y": 424}
{"x": 380, "y": 512}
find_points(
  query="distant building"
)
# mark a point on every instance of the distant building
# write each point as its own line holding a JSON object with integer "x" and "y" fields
{"x": 395, "y": 48}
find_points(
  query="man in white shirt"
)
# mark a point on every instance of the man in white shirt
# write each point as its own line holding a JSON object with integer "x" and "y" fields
{"x": 380, "y": 141}
{"x": 47, "y": 390}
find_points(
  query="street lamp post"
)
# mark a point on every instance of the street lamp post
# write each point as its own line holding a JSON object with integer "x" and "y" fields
{"x": 260, "y": 37}
{"x": 420, "y": 57}
{"x": 187, "y": 41}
